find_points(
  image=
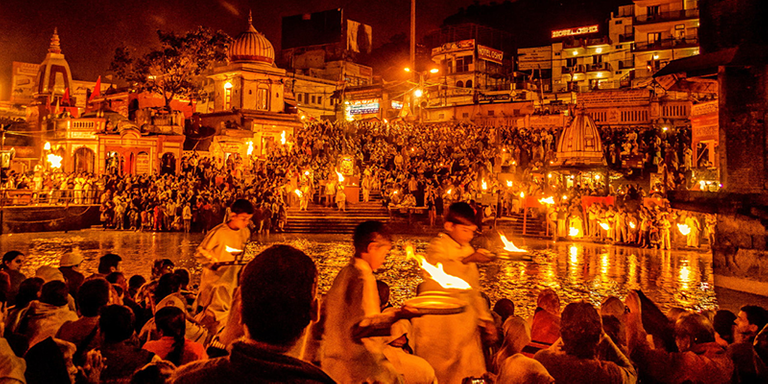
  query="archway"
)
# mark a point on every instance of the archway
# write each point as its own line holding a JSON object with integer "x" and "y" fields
{"x": 168, "y": 163}
{"x": 84, "y": 160}
{"x": 114, "y": 163}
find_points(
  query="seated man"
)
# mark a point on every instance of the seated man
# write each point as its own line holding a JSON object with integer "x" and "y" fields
{"x": 277, "y": 302}
{"x": 575, "y": 360}
{"x": 700, "y": 360}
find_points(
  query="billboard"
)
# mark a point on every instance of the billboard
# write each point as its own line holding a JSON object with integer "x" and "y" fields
{"x": 462, "y": 45}
{"x": 534, "y": 58}
{"x": 359, "y": 37}
{"x": 23, "y": 80}
{"x": 363, "y": 107}
{"x": 308, "y": 29}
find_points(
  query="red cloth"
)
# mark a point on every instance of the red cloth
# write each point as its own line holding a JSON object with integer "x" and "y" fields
{"x": 192, "y": 351}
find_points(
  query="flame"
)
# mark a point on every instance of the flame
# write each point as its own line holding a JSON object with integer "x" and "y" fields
{"x": 298, "y": 193}
{"x": 436, "y": 272}
{"x": 509, "y": 183}
{"x": 565, "y": 197}
{"x": 232, "y": 250}
{"x": 449, "y": 191}
{"x": 485, "y": 185}
{"x": 54, "y": 160}
{"x": 632, "y": 224}
{"x": 548, "y": 200}
{"x": 306, "y": 173}
{"x": 47, "y": 147}
{"x": 522, "y": 195}
{"x": 605, "y": 226}
{"x": 250, "y": 147}
{"x": 341, "y": 177}
{"x": 282, "y": 138}
{"x": 510, "y": 246}
{"x": 684, "y": 229}
{"x": 573, "y": 232}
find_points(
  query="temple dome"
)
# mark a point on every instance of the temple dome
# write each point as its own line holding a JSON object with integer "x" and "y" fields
{"x": 580, "y": 143}
{"x": 252, "y": 45}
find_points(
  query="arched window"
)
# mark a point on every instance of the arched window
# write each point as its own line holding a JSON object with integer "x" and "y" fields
{"x": 469, "y": 84}
{"x": 460, "y": 84}
{"x": 262, "y": 99}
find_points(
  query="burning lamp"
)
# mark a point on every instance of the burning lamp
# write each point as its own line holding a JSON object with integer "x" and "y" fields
{"x": 418, "y": 93}
{"x": 47, "y": 146}
{"x": 54, "y": 160}
{"x": 684, "y": 229}
{"x": 436, "y": 272}
{"x": 485, "y": 185}
{"x": 282, "y": 138}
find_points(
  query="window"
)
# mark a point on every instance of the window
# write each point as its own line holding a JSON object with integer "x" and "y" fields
{"x": 320, "y": 100}
{"x": 597, "y": 59}
{"x": 298, "y": 97}
{"x": 654, "y": 37}
{"x": 459, "y": 84}
{"x": 570, "y": 62}
{"x": 491, "y": 112}
{"x": 465, "y": 115}
{"x": 463, "y": 63}
{"x": 227, "y": 98}
{"x": 313, "y": 99}
{"x": 468, "y": 84}
{"x": 618, "y": 22}
{"x": 306, "y": 98}
{"x": 262, "y": 99}
{"x": 652, "y": 10}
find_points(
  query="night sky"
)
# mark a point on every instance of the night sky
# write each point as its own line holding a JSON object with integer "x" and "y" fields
{"x": 90, "y": 30}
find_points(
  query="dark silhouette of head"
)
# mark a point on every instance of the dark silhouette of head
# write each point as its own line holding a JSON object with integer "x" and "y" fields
{"x": 580, "y": 328}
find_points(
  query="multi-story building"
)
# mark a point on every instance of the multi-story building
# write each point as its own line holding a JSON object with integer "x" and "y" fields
{"x": 664, "y": 30}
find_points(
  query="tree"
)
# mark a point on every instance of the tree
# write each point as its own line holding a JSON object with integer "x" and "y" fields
{"x": 177, "y": 68}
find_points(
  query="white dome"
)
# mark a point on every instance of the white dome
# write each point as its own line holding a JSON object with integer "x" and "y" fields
{"x": 251, "y": 45}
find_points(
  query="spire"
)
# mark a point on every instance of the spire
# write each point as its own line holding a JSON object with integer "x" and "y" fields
{"x": 55, "y": 46}
{"x": 250, "y": 22}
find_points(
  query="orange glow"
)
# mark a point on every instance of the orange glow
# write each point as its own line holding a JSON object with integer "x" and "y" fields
{"x": 509, "y": 183}
{"x": 282, "y": 138}
{"x": 684, "y": 229}
{"x": 485, "y": 185}
{"x": 510, "y": 246}
{"x": 341, "y": 177}
{"x": 436, "y": 272}
{"x": 632, "y": 224}
{"x": 298, "y": 193}
{"x": 548, "y": 200}
{"x": 232, "y": 250}
{"x": 449, "y": 191}
{"x": 605, "y": 226}
{"x": 54, "y": 160}
{"x": 574, "y": 232}
{"x": 522, "y": 195}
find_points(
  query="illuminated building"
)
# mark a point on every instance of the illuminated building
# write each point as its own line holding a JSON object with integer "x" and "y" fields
{"x": 250, "y": 101}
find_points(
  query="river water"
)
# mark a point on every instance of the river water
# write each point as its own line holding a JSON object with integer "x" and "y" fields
{"x": 577, "y": 271}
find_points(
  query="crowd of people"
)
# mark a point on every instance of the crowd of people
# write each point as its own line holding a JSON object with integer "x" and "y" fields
{"x": 263, "y": 321}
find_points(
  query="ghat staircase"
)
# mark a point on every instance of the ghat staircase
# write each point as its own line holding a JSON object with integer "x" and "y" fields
{"x": 320, "y": 219}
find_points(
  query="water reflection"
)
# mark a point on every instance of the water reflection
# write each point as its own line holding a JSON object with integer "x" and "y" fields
{"x": 576, "y": 271}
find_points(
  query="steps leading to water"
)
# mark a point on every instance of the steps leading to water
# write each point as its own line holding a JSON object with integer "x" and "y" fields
{"x": 320, "y": 219}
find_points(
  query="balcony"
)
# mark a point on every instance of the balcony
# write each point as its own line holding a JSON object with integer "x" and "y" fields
{"x": 626, "y": 64}
{"x": 579, "y": 68}
{"x": 688, "y": 42}
{"x": 627, "y": 38}
{"x": 578, "y": 43}
{"x": 597, "y": 67}
{"x": 667, "y": 16}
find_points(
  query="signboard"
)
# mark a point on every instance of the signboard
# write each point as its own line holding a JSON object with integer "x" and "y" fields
{"x": 534, "y": 58}
{"x": 575, "y": 31}
{"x": 490, "y": 54}
{"x": 397, "y": 104}
{"x": 24, "y": 79}
{"x": 705, "y": 122}
{"x": 605, "y": 99}
{"x": 142, "y": 163}
{"x": 362, "y": 107}
{"x": 499, "y": 97}
{"x": 462, "y": 45}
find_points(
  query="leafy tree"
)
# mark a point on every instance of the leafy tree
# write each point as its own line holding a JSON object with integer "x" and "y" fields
{"x": 177, "y": 67}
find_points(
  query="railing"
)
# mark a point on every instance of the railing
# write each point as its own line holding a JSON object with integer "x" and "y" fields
{"x": 576, "y": 43}
{"x": 25, "y": 197}
{"x": 627, "y": 37}
{"x": 626, "y": 64}
{"x": 597, "y": 67}
{"x": 667, "y": 16}
{"x": 666, "y": 44}
{"x": 579, "y": 68}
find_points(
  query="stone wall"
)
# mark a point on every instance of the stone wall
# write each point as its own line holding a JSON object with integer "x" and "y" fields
{"x": 740, "y": 257}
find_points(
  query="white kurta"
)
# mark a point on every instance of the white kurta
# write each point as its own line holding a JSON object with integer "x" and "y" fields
{"x": 353, "y": 297}
{"x": 451, "y": 344}
{"x": 217, "y": 287}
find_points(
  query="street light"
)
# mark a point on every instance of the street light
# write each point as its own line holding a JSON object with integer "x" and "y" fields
{"x": 418, "y": 92}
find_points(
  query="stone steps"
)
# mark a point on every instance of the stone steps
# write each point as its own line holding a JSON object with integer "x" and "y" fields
{"x": 319, "y": 219}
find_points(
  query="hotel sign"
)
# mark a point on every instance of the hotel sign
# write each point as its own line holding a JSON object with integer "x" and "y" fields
{"x": 490, "y": 54}
{"x": 574, "y": 31}
{"x": 462, "y": 45}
